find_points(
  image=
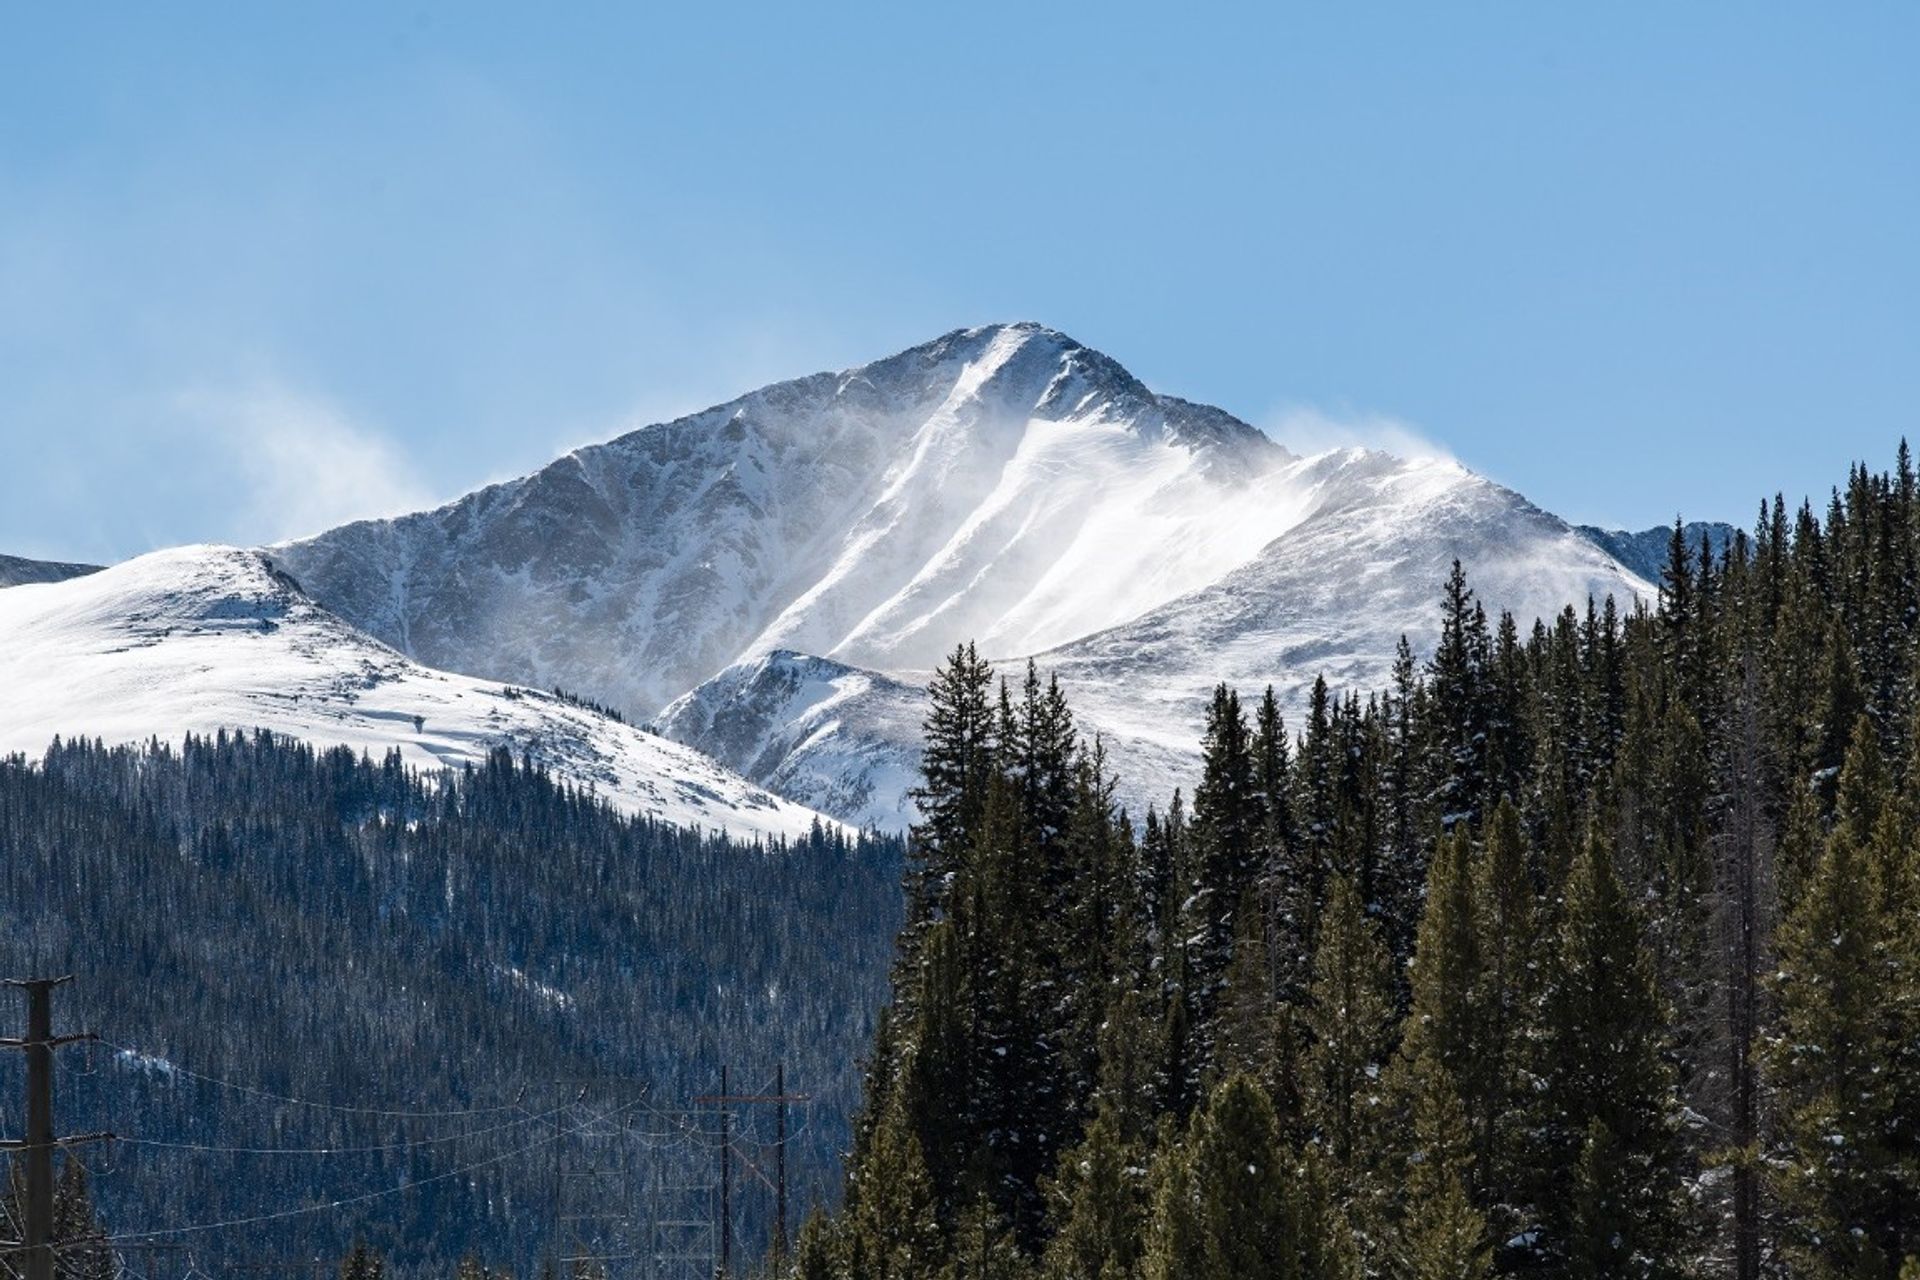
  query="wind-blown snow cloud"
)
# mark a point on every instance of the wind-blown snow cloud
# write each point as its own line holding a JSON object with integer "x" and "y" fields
{"x": 1309, "y": 430}
{"x": 302, "y": 465}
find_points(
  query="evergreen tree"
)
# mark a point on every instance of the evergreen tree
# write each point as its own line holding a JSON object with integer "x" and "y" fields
{"x": 1841, "y": 1056}
{"x": 1230, "y": 1205}
{"x": 1507, "y": 919}
{"x": 1100, "y": 1203}
{"x": 1350, "y": 1019}
{"x": 891, "y": 1229}
{"x": 1248, "y": 1037}
{"x": 1228, "y": 819}
{"x": 77, "y": 1230}
{"x": 957, "y": 758}
{"x": 983, "y": 1247}
{"x": 1458, "y": 703}
{"x": 1441, "y": 1235}
{"x": 362, "y": 1263}
{"x": 1610, "y": 1152}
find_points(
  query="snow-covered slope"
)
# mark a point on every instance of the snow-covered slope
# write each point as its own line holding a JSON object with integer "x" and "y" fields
{"x": 832, "y": 737}
{"x": 1331, "y": 597}
{"x": 199, "y": 639}
{"x": 15, "y": 570}
{"x": 1363, "y": 565}
{"x": 1004, "y": 483}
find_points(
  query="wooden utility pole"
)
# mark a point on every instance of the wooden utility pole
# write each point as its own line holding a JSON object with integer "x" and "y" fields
{"x": 780, "y": 1164}
{"x": 779, "y": 1099}
{"x": 726, "y": 1182}
{"x": 39, "y": 1044}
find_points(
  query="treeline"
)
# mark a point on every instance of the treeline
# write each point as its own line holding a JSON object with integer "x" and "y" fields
{"x": 1589, "y": 951}
{"x": 322, "y": 976}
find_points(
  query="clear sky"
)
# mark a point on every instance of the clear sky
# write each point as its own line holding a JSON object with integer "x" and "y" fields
{"x": 259, "y": 273}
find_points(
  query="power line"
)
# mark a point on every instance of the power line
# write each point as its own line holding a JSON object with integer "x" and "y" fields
{"x": 168, "y": 1067}
{"x": 350, "y": 1201}
{"x": 215, "y": 1149}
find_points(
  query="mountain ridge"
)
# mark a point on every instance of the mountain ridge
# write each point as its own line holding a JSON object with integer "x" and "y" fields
{"x": 204, "y": 639}
{"x": 18, "y": 571}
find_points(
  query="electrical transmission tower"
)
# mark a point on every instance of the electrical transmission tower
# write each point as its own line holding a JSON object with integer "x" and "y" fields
{"x": 38, "y": 1145}
{"x": 594, "y": 1178}
{"x": 682, "y": 1196}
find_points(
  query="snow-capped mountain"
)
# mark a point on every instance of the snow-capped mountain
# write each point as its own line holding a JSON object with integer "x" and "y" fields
{"x": 1003, "y": 483}
{"x": 774, "y": 577}
{"x": 199, "y": 639}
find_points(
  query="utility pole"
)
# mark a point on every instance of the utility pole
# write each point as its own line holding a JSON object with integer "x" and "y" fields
{"x": 39, "y": 1044}
{"x": 779, "y": 1099}
{"x": 726, "y": 1182}
{"x": 780, "y": 1165}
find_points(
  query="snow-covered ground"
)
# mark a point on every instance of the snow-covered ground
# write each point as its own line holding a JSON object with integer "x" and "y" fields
{"x": 197, "y": 639}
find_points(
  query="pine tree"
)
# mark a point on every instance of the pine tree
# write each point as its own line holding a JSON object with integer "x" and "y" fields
{"x": 1100, "y": 1203}
{"x": 1247, "y": 1037}
{"x": 1440, "y": 1235}
{"x": 1443, "y": 1020}
{"x": 362, "y": 1263}
{"x": 1228, "y": 818}
{"x": 959, "y": 743}
{"x": 77, "y": 1229}
{"x": 940, "y": 1100}
{"x": 1230, "y": 1205}
{"x": 1841, "y": 1057}
{"x": 1507, "y": 919}
{"x": 1457, "y": 693}
{"x": 1350, "y": 1019}
{"x": 1610, "y": 1151}
{"x": 891, "y": 1231}
{"x": 816, "y": 1252}
{"x": 983, "y": 1247}
{"x": 1273, "y": 775}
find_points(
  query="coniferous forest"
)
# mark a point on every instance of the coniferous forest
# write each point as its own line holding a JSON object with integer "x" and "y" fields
{"x": 1589, "y": 950}
{"x": 338, "y": 999}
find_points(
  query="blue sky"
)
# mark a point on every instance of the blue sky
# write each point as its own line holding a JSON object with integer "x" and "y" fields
{"x": 261, "y": 272}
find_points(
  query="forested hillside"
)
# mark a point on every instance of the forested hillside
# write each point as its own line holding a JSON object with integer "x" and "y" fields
{"x": 341, "y": 998}
{"x": 1591, "y": 950}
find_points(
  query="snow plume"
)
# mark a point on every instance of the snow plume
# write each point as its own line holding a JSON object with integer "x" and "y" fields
{"x": 1308, "y": 430}
{"x": 301, "y": 464}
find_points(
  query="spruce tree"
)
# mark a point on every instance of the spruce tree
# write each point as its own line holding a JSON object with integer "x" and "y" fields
{"x": 1231, "y": 1204}
{"x": 891, "y": 1229}
{"x": 1247, "y": 1039}
{"x": 1609, "y": 1152}
{"x": 1350, "y": 1018}
{"x": 1099, "y": 1201}
{"x": 1457, "y": 681}
{"x": 1507, "y": 919}
{"x": 1841, "y": 1056}
{"x": 958, "y": 757}
{"x": 1439, "y": 1235}
{"x": 1228, "y": 818}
